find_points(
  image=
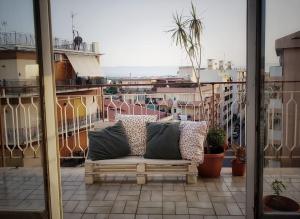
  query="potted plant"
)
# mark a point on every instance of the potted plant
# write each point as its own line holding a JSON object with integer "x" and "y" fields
{"x": 213, "y": 153}
{"x": 239, "y": 162}
{"x": 278, "y": 202}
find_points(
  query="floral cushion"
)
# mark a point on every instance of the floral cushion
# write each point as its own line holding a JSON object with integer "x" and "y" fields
{"x": 192, "y": 136}
{"x": 135, "y": 128}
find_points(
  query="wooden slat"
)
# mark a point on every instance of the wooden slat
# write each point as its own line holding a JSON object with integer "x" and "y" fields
{"x": 94, "y": 170}
{"x": 125, "y": 166}
{"x": 114, "y": 170}
{"x": 167, "y": 170}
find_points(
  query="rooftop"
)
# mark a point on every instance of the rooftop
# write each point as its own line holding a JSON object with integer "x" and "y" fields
{"x": 26, "y": 42}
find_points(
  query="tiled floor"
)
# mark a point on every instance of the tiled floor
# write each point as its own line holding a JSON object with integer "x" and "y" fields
{"x": 159, "y": 198}
{"x": 120, "y": 197}
{"x": 21, "y": 189}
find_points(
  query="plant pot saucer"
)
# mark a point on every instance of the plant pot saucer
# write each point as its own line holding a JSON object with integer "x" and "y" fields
{"x": 280, "y": 203}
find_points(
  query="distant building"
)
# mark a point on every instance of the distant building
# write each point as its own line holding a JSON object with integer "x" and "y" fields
{"x": 228, "y": 92}
{"x": 146, "y": 84}
{"x": 288, "y": 49}
{"x": 72, "y": 67}
{"x": 187, "y": 72}
{"x": 186, "y": 101}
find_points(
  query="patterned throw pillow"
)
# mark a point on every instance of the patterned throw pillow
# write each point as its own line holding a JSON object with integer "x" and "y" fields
{"x": 192, "y": 136}
{"x": 135, "y": 128}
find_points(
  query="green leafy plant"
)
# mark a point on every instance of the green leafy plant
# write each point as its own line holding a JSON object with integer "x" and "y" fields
{"x": 278, "y": 187}
{"x": 112, "y": 90}
{"x": 240, "y": 153}
{"x": 215, "y": 140}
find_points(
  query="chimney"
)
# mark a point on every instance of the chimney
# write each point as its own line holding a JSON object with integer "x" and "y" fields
{"x": 221, "y": 65}
{"x": 210, "y": 64}
{"x": 229, "y": 67}
{"x": 95, "y": 47}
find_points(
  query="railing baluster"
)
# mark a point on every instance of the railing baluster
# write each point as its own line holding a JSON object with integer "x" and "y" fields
{"x": 66, "y": 130}
{"x": 213, "y": 105}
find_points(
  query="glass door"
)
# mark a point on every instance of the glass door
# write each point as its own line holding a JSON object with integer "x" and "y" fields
{"x": 279, "y": 139}
{"x": 22, "y": 176}
{"x": 29, "y": 173}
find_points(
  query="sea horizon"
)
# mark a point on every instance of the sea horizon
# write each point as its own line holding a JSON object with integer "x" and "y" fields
{"x": 138, "y": 71}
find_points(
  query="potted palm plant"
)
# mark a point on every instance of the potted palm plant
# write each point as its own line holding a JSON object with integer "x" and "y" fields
{"x": 239, "y": 162}
{"x": 278, "y": 202}
{"x": 213, "y": 153}
{"x": 187, "y": 33}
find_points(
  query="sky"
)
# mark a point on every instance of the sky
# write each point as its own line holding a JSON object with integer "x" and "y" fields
{"x": 133, "y": 32}
{"x": 282, "y": 18}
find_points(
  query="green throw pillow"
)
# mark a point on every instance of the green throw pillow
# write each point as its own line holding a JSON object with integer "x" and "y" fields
{"x": 163, "y": 141}
{"x": 108, "y": 143}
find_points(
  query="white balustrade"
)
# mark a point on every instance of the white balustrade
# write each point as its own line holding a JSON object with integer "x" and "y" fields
{"x": 22, "y": 137}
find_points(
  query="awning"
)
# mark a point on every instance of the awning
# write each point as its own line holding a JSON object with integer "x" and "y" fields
{"x": 85, "y": 65}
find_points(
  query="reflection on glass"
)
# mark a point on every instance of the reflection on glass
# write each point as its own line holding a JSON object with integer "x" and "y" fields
{"x": 21, "y": 173}
{"x": 281, "y": 179}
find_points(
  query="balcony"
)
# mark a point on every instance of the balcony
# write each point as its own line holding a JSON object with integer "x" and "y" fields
{"x": 120, "y": 196}
{"x": 79, "y": 83}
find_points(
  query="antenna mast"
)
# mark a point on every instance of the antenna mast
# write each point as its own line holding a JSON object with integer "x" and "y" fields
{"x": 73, "y": 27}
{"x": 4, "y": 24}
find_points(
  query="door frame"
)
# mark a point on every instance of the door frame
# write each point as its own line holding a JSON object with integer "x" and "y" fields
{"x": 50, "y": 151}
{"x": 48, "y": 93}
{"x": 256, "y": 12}
{"x": 252, "y": 104}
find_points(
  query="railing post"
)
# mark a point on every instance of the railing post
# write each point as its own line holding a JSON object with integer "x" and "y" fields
{"x": 15, "y": 37}
{"x": 213, "y": 105}
{"x": 1, "y": 135}
{"x": 102, "y": 103}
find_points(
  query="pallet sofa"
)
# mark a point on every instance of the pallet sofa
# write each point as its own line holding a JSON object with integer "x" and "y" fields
{"x": 141, "y": 168}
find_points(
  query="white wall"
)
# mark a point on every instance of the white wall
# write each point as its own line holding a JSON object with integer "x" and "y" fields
{"x": 187, "y": 73}
{"x": 8, "y": 69}
{"x": 28, "y": 69}
{"x": 18, "y": 69}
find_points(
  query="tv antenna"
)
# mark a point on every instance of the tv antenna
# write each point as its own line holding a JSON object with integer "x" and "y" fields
{"x": 4, "y": 24}
{"x": 73, "y": 27}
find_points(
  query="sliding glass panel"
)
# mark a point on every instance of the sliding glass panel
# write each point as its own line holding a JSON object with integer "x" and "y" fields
{"x": 21, "y": 145}
{"x": 280, "y": 126}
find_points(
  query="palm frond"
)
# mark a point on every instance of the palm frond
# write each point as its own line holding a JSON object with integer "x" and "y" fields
{"x": 195, "y": 25}
{"x": 192, "y": 47}
{"x": 179, "y": 34}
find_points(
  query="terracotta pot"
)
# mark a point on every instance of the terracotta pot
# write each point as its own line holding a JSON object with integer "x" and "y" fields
{"x": 212, "y": 165}
{"x": 280, "y": 203}
{"x": 238, "y": 168}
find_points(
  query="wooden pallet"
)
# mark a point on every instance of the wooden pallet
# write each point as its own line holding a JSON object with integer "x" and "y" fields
{"x": 141, "y": 168}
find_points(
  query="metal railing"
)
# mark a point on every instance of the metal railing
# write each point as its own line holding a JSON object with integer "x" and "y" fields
{"x": 69, "y": 45}
{"x": 14, "y": 38}
{"x": 17, "y": 39}
{"x": 80, "y": 82}
{"x": 20, "y": 126}
{"x": 282, "y": 140}
{"x": 18, "y": 87}
{"x": 77, "y": 114}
